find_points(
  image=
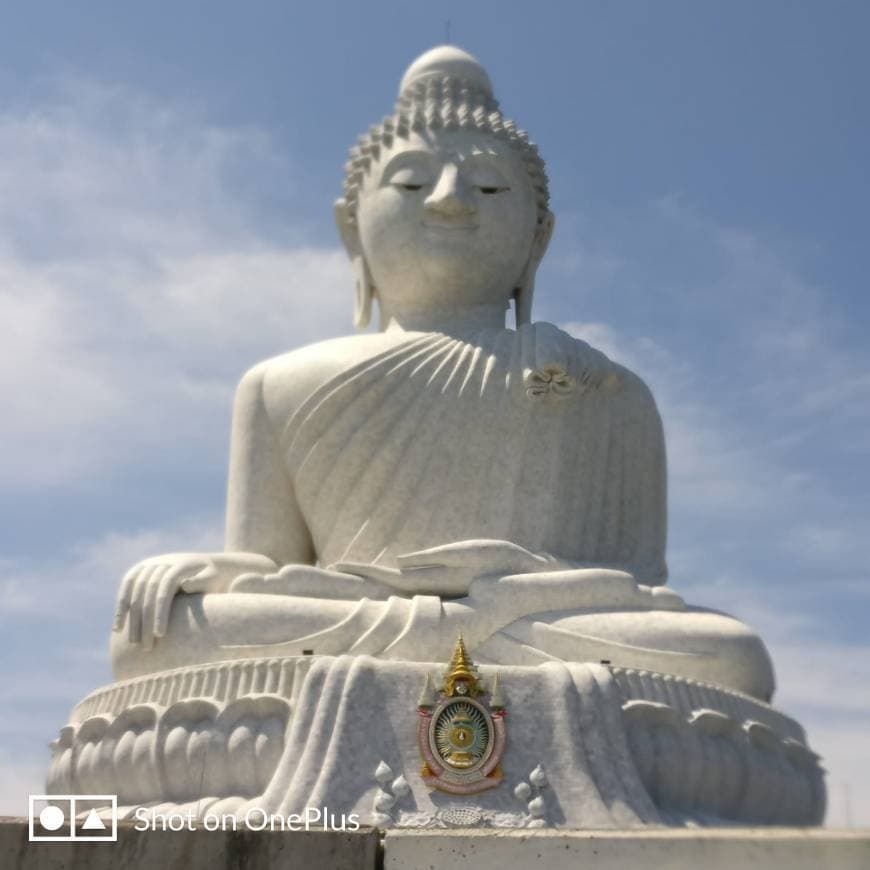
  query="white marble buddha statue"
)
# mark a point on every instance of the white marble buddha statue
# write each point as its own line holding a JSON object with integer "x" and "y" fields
{"x": 445, "y": 474}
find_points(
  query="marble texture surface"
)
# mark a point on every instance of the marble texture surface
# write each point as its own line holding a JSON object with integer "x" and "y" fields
{"x": 588, "y": 746}
{"x": 197, "y": 849}
{"x": 770, "y": 849}
{"x": 759, "y": 849}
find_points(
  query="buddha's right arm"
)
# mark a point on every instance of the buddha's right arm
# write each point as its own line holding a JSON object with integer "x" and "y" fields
{"x": 264, "y": 527}
{"x": 262, "y": 513}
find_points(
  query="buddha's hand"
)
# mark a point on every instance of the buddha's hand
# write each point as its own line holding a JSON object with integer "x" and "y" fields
{"x": 310, "y": 581}
{"x": 495, "y": 601}
{"x": 149, "y": 587}
{"x": 449, "y": 570}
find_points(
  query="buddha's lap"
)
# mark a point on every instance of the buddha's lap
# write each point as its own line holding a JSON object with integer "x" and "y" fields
{"x": 698, "y": 644}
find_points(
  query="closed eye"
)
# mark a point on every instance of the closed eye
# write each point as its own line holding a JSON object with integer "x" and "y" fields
{"x": 491, "y": 190}
{"x": 411, "y": 186}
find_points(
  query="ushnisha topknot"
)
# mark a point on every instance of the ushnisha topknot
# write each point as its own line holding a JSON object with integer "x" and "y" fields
{"x": 445, "y": 88}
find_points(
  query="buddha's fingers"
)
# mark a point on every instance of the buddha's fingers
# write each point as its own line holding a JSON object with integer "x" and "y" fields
{"x": 525, "y": 594}
{"x": 307, "y": 581}
{"x": 168, "y": 588}
{"x": 137, "y": 598}
{"x": 134, "y": 626}
{"x": 425, "y": 580}
{"x": 125, "y": 596}
{"x": 148, "y": 604}
{"x": 477, "y": 556}
{"x": 364, "y": 569}
{"x": 494, "y": 602}
{"x": 378, "y": 573}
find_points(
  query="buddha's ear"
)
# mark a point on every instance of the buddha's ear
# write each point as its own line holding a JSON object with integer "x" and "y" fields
{"x": 347, "y": 228}
{"x": 525, "y": 291}
{"x": 363, "y": 287}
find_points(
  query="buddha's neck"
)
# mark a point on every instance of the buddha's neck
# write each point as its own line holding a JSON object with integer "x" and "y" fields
{"x": 451, "y": 320}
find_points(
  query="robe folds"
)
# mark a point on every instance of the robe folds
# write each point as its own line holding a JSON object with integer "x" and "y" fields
{"x": 529, "y": 436}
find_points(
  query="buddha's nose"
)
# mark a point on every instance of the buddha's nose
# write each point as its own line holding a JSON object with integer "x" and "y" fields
{"x": 451, "y": 196}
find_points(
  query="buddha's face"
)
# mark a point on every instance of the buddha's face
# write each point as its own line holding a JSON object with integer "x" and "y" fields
{"x": 446, "y": 219}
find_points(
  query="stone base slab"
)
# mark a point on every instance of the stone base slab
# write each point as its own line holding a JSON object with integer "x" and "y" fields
{"x": 370, "y": 849}
{"x": 193, "y": 850}
{"x": 722, "y": 849}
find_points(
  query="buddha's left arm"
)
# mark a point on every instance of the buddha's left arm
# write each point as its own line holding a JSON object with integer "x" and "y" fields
{"x": 649, "y": 488}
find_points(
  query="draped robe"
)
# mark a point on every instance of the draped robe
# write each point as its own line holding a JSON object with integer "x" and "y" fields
{"x": 529, "y": 436}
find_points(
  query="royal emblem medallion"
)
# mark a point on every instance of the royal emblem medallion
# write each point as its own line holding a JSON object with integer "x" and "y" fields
{"x": 461, "y": 736}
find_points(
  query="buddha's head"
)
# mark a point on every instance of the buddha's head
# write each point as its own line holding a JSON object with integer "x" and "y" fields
{"x": 445, "y": 202}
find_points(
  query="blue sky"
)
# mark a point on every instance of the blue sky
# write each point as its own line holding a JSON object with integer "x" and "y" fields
{"x": 167, "y": 173}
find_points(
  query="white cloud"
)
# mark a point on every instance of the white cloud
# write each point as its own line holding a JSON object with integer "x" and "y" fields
{"x": 713, "y": 465}
{"x": 825, "y": 540}
{"x": 738, "y": 300}
{"x": 145, "y": 175}
{"x": 61, "y": 611}
{"x": 19, "y": 778}
{"x": 138, "y": 279}
{"x": 761, "y": 393}
{"x": 762, "y": 387}
{"x": 826, "y": 675}
{"x": 137, "y": 283}
{"x": 91, "y": 573}
{"x": 845, "y": 752}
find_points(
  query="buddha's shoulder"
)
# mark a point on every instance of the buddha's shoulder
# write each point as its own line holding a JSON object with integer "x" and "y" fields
{"x": 287, "y": 380}
{"x": 621, "y": 380}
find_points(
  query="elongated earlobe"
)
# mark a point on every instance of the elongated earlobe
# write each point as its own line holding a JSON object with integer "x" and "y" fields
{"x": 363, "y": 288}
{"x": 525, "y": 290}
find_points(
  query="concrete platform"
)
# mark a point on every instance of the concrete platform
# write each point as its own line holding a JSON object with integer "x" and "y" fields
{"x": 706, "y": 849}
{"x": 370, "y": 849}
{"x": 193, "y": 850}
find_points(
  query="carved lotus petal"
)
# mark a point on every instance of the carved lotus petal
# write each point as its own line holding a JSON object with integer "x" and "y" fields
{"x": 400, "y": 786}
